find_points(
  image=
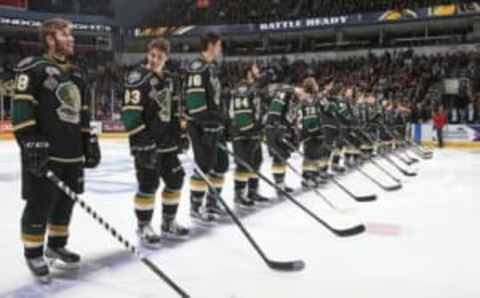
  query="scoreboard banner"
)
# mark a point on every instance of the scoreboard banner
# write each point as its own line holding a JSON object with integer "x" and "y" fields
{"x": 315, "y": 23}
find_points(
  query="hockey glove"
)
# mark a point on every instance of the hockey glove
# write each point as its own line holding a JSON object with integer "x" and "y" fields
{"x": 91, "y": 151}
{"x": 35, "y": 155}
{"x": 275, "y": 140}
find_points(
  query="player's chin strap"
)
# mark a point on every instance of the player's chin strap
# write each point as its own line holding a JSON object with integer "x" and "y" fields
{"x": 130, "y": 247}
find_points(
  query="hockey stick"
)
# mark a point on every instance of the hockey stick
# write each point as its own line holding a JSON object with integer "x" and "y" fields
{"x": 401, "y": 158}
{"x": 304, "y": 182}
{"x": 130, "y": 247}
{"x": 357, "y": 229}
{"x": 369, "y": 177}
{"x": 367, "y": 198}
{"x": 395, "y": 135}
{"x": 378, "y": 166}
{"x": 378, "y": 183}
{"x": 370, "y": 159}
{"x": 412, "y": 158}
{"x": 399, "y": 168}
{"x": 276, "y": 265}
{"x": 402, "y": 170}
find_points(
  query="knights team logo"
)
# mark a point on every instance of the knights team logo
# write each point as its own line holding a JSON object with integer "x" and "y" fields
{"x": 70, "y": 102}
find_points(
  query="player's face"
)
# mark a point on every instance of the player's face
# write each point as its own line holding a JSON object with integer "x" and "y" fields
{"x": 217, "y": 49}
{"x": 156, "y": 58}
{"x": 64, "y": 41}
{"x": 255, "y": 71}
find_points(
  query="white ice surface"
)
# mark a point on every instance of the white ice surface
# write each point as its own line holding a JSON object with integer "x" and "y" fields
{"x": 422, "y": 241}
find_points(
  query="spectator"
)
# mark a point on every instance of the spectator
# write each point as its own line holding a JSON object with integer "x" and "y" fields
{"x": 439, "y": 120}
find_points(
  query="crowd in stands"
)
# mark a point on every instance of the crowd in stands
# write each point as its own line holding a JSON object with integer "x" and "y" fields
{"x": 187, "y": 12}
{"x": 417, "y": 82}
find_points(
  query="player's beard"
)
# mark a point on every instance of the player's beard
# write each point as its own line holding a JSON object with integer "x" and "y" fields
{"x": 63, "y": 49}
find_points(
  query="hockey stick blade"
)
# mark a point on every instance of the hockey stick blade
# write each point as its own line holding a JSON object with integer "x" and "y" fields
{"x": 392, "y": 188}
{"x": 379, "y": 184}
{"x": 284, "y": 266}
{"x": 297, "y": 265}
{"x": 367, "y": 198}
{"x": 356, "y": 230}
{"x": 409, "y": 174}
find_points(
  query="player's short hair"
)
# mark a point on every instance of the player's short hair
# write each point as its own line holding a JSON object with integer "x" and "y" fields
{"x": 247, "y": 67}
{"x": 50, "y": 26}
{"x": 160, "y": 44}
{"x": 310, "y": 85}
{"x": 207, "y": 39}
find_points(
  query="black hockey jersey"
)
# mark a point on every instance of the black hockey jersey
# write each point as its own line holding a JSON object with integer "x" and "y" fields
{"x": 51, "y": 101}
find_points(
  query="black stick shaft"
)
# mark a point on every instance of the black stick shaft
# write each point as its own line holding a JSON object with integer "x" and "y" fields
{"x": 378, "y": 166}
{"x": 335, "y": 181}
{"x": 305, "y": 183}
{"x": 130, "y": 247}
{"x": 368, "y": 176}
{"x": 231, "y": 214}
{"x": 286, "y": 266}
{"x": 286, "y": 194}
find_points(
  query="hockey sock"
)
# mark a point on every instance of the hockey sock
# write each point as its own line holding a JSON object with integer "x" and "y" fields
{"x": 241, "y": 179}
{"x": 253, "y": 185}
{"x": 198, "y": 188}
{"x": 57, "y": 235}
{"x": 278, "y": 170}
{"x": 170, "y": 202}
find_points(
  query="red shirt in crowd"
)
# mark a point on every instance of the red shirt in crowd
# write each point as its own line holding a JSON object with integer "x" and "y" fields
{"x": 440, "y": 119}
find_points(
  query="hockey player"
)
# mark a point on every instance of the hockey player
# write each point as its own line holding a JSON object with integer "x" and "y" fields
{"x": 207, "y": 116}
{"x": 151, "y": 117}
{"x": 281, "y": 125}
{"x": 312, "y": 134}
{"x": 52, "y": 127}
{"x": 331, "y": 108}
{"x": 247, "y": 111}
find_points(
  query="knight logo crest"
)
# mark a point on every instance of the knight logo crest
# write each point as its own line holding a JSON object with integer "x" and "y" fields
{"x": 71, "y": 102}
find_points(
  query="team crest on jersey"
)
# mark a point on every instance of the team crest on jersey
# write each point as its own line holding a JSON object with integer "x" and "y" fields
{"x": 134, "y": 77}
{"x": 154, "y": 82}
{"x": 52, "y": 71}
{"x": 196, "y": 65}
{"x": 51, "y": 83}
{"x": 71, "y": 102}
{"x": 163, "y": 99}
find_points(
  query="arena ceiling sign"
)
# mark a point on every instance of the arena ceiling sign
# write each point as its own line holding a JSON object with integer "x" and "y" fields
{"x": 303, "y": 24}
{"x": 19, "y": 22}
{"x": 391, "y": 15}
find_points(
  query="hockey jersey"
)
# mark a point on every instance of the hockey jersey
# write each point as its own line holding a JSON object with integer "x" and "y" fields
{"x": 51, "y": 100}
